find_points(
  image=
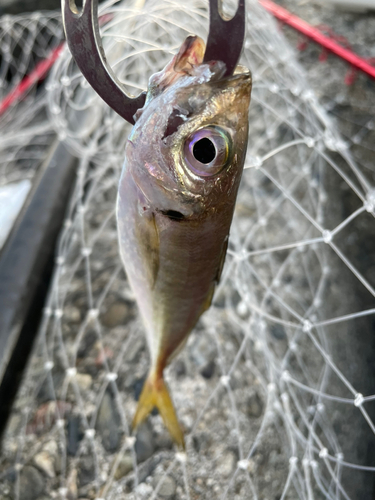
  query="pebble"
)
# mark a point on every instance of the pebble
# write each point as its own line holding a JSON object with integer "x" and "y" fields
{"x": 227, "y": 464}
{"x": 104, "y": 354}
{"x": 201, "y": 441}
{"x": 278, "y": 332}
{"x": 126, "y": 379}
{"x": 72, "y": 314}
{"x": 147, "y": 468}
{"x": 31, "y": 483}
{"x": 45, "y": 462}
{"x": 74, "y": 434}
{"x": 144, "y": 489}
{"x": 46, "y": 391}
{"x": 137, "y": 387}
{"x": 84, "y": 381}
{"x": 144, "y": 444}
{"x": 167, "y": 488}
{"x": 9, "y": 476}
{"x": 51, "y": 448}
{"x": 163, "y": 441}
{"x": 180, "y": 368}
{"x": 72, "y": 485}
{"x": 254, "y": 405}
{"x": 135, "y": 349}
{"x": 87, "y": 342}
{"x": 14, "y": 425}
{"x": 116, "y": 315}
{"x": 202, "y": 350}
{"x": 108, "y": 423}
{"x": 208, "y": 370}
{"x": 86, "y": 472}
{"x": 124, "y": 466}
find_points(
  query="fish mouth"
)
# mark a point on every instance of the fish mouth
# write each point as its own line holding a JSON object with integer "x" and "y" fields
{"x": 240, "y": 70}
{"x": 241, "y": 80}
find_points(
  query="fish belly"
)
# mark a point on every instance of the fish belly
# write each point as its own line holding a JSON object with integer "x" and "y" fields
{"x": 172, "y": 266}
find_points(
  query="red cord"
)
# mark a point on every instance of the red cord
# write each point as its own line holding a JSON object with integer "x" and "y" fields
{"x": 40, "y": 71}
{"x": 314, "y": 34}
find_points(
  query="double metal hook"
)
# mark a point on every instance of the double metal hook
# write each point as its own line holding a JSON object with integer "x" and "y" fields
{"x": 224, "y": 43}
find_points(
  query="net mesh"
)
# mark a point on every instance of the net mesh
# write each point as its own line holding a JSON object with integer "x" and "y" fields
{"x": 275, "y": 386}
{"x": 25, "y": 129}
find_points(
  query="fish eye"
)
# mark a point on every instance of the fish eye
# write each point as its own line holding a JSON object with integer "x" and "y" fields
{"x": 207, "y": 150}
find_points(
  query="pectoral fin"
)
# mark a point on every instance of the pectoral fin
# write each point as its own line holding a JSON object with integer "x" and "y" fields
{"x": 155, "y": 394}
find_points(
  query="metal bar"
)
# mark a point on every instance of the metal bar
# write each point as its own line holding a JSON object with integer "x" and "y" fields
{"x": 314, "y": 34}
{"x": 26, "y": 266}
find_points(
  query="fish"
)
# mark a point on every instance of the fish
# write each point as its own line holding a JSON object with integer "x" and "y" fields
{"x": 183, "y": 164}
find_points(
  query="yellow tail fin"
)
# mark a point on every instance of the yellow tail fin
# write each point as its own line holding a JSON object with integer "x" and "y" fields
{"x": 155, "y": 394}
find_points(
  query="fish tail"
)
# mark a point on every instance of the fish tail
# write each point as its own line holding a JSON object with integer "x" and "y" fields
{"x": 155, "y": 394}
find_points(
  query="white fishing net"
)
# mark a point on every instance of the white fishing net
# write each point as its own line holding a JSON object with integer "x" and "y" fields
{"x": 25, "y": 131}
{"x": 275, "y": 386}
{"x": 26, "y": 43}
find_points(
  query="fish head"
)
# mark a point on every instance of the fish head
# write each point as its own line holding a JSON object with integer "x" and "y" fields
{"x": 188, "y": 145}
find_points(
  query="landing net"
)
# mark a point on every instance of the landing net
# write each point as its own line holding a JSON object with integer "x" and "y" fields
{"x": 275, "y": 387}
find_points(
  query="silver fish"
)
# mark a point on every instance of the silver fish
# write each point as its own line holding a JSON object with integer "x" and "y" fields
{"x": 183, "y": 165}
